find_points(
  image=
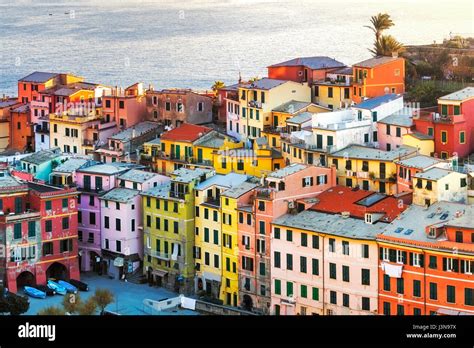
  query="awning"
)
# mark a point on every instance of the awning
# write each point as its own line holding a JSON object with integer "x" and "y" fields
{"x": 118, "y": 262}
{"x": 159, "y": 273}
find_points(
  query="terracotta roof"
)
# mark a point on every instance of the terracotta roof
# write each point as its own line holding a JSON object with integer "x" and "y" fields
{"x": 340, "y": 199}
{"x": 373, "y": 62}
{"x": 186, "y": 132}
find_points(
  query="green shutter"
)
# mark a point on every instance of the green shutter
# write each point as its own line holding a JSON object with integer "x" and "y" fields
{"x": 277, "y": 287}
{"x": 444, "y": 109}
{"x": 31, "y": 229}
{"x": 462, "y": 138}
{"x": 304, "y": 291}
{"x": 17, "y": 231}
{"x": 289, "y": 289}
{"x": 457, "y": 110}
{"x": 316, "y": 294}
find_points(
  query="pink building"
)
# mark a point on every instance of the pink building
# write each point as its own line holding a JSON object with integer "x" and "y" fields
{"x": 292, "y": 188}
{"x": 126, "y": 107}
{"x": 92, "y": 182}
{"x": 325, "y": 259}
{"x": 121, "y": 223}
{"x": 391, "y": 129}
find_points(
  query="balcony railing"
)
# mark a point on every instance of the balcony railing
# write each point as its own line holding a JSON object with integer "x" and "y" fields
{"x": 265, "y": 193}
{"x": 215, "y": 201}
{"x": 158, "y": 254}
{"x": 175, "y": 194}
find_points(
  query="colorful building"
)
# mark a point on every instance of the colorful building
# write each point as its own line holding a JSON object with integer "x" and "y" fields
{"x": 6, "y": 104}
{"x": 257, "y": 99}
{"x": 324, "y": 260}
{"x": 426, "y": 261}
{"x": 423, "y": 142}
{"x": 335, "y": 90}
{"x": 452, "y": 126}
{"x": 439, "y": 184}
{"x": 369, "y": 168}
{"x": 409, "y": 167}
{"x": 126, "y": 107}
{"x": 40, "y": 164}
{"x": 392, "y": 129}
{"x": 210, "y": 239}
{"x": 169, "y": 230}
{"x": 173, "y": 107}
{"x": 124, "y": 146}
{"x": 378, "y": 76}
{"x": 92, "y": 182}
{"x": 288, "y": 189}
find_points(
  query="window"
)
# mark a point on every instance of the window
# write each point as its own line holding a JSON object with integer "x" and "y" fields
{"x": 289, "y": 289}
{"x": 433, "y": 291}
{"x": 345, "y": 247}
{"x": 118, "y": 225}
{"x": 277, "y": 259}
{"x": 469, "y": 297}
{"x": 365, "y": 304}
{"x": 31, "y": 229}
{"x": 261, "y": 225}
{"x": 315, "y": 294}
{"x": 118, "y": 246}
{"x": 315, "y": 242}
{"x": 388, "y": 129}
{"x": 216, "y": 261}
{"x": 64, "y": 203}
{"x": 47, "y": 248}
{"x": 289, "y": 235}
{"x": 365, "y": 276}
{"x": 65, "y": 245}
{"x": 277, "y": 287}
{"x": 345, "y": 273}
{"x": 65, "y": 223}
{"x": 48, "y": 205}
{"x": 332, "y": 245}
{"x": 276, "y": 231}
{"x": 304, "y": 239}
{"x": 400, "y": 310}
{"x": 48, "y": 225}
{"x": 365, "y": 251}
{"x": 400, "y": 286}
{"x": 416, "y": 288}
{"x": 216, "y": 237}
{"x": 333, "y": 297}
{"x": 92, "y": 218}
{"x": 315, "y": 264}
{"x": 304, "y": 291}
{"x": 451, "y": 294}
{"x": 444, "y": 137}
{"x": 386, "y": 308}
{"x": 17, "y": 230}
{"x": 302, "y": 264}
{"x": 332, "y": 270}
{"x": 345, "y": 300}
{"x": 206, "y": 234}
{"x": 386, "y": 282}
{"x": 289, "y": 262}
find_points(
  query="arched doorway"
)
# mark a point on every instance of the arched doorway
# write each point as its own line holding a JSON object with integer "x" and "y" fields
{"x": 25, "y": 278}
{"x": 247, "y": 303}
{"x": 57, "y": 271}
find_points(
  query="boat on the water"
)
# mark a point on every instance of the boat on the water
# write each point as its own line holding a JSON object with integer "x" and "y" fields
{"x": 33, "y": 292}
{"x": 56, "y": 287}
{"x": 69, "y": 287}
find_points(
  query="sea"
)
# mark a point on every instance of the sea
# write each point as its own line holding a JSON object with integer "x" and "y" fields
{"x": 192, "y": 43}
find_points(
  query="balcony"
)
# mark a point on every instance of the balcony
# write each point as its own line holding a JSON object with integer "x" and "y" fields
{"x": 214, "y": 201}
{"x": 254, "y": 104}
{"x": 179, "y": 195}
{"x": 158, "y": 254}
{"x": 438, "y": 118}
{"x": 265, "y": 193}
{"x": 41, "y": 130}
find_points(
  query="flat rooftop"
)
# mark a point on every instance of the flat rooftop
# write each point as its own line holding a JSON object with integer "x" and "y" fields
{"x": 120, "y": 194}
{"x": 137, "y": 175}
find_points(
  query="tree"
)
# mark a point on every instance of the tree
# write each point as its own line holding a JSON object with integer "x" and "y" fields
{"x": 102, "y": 298}
{"x": 52, "y": 310}
{"x": 253, "y": 79}
{"x": 380, "y": 22}
{"x": 217, "y": 85}
{"x": 18, "y": 304}
{"x": 71, "y": 303}
{"x": 88, "y": 308}
{"x": 386, "y": 45}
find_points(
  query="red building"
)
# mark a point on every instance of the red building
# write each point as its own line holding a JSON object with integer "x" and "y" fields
{"x": 426, "y": 261}
{"x": 38, "y": 227}
{"x": 21, "y": 129}
{"x": 305, "y": 69}
{"x": 452, "y": 126}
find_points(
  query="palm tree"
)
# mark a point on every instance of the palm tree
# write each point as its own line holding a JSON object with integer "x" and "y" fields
{"x": 217, "y": 85}
{"x": 380, "y": 22}
{"x": 386, "y": 45}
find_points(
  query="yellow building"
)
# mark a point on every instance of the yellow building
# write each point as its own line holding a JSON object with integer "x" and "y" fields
{"x": 168, "y": 229}
{"x": 210, "y": 241}
{"x": 369, "y": 168}
{"x": 76, "y": 131}
{"x": 255, "y": 162}
{"x": 439, "y": 184}
{"x": 257, "y": 100}
{"x": 424, "y": 143}
{"x": 335, "y": 91}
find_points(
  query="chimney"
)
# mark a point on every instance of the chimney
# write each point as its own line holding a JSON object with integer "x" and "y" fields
{"x": 395, "y": 54}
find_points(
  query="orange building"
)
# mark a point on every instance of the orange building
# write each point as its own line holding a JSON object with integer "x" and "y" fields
{"x": 427, "y": 261}
{"x": 378, "y": 76}
{"x": 21, "y": 129}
